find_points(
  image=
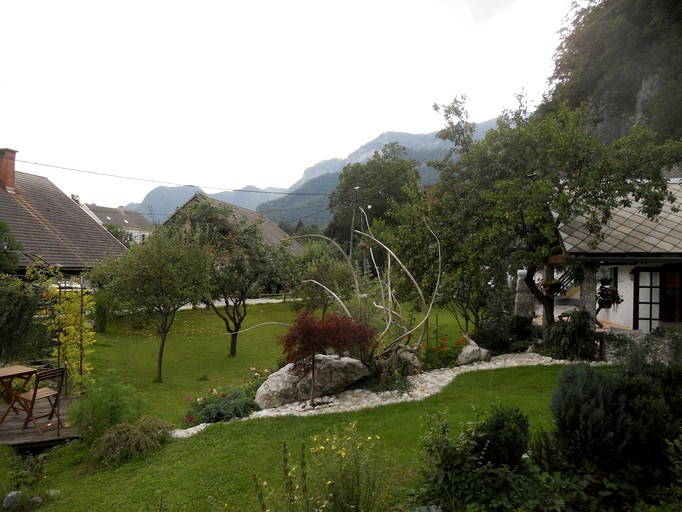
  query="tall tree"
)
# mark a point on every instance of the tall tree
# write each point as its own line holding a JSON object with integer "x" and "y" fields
{"x": 369, "y": 185}
{"x": 241, "y": 259}
{"x": 501, "y": 199}
{"x": 156, "y": 278}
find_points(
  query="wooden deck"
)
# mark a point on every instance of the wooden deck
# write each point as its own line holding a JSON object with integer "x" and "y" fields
{"x": 13, "y": 434}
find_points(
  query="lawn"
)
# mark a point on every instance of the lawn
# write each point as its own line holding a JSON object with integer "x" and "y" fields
{"x": 214, "y": 469}
{"x": 196, "y": 355}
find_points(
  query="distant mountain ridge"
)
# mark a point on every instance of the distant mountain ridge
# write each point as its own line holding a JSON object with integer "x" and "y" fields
{"x": 305, "y": 200}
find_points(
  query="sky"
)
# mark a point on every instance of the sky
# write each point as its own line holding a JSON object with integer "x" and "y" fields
{"x": 112, "y": 99}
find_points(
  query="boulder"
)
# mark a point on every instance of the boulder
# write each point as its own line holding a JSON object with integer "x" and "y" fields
{"x": 12, "y": 501}
{"x": 472, "y": 353}
{"x": 407, "y": 362}
{"x": 333, "y": 374}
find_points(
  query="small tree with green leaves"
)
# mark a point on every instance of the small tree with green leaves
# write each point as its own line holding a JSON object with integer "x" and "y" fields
{"x": 322, "y": 270}
{"x": 241, "y": 259}
{"x": 155, "y": 279}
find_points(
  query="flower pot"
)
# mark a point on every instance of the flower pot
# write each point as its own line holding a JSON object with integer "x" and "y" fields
{"x": 605, "y": 304}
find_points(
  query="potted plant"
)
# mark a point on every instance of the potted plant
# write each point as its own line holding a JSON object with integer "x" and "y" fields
{"x": 607, "y": 296}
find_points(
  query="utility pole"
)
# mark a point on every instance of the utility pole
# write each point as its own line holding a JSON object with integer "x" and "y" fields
{"x": 352, "y": 223}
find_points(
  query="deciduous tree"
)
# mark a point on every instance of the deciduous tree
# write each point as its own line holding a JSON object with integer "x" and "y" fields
{"x": 241, "y": 259}
{"x": 156, "y": 278}
{"x": 370, "y": 185}
{"x": 506, "y": 195}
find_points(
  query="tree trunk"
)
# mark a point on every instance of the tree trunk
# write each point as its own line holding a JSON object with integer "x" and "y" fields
{"x": 159, "y": 361}
{"x": 233, "y": 344}
{"x": 163, "y": 332}
{"x": 547, "y": 301}
{"x": 312, "y": 384}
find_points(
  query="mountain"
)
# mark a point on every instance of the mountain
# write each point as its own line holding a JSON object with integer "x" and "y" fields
{"x": 161, "y": 202}
{"x": 305, "y": 200}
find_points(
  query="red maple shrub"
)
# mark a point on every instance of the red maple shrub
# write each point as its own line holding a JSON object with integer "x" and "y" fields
{"x": 310, "y": 335}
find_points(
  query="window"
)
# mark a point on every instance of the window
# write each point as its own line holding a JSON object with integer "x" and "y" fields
{"x": 647, "y": 300}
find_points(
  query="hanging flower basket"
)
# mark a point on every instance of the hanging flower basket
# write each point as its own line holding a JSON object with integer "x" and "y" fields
{"x": 605, "y": 281}
{"x": 605, "y": 304}
{"x": 607, "y": 296}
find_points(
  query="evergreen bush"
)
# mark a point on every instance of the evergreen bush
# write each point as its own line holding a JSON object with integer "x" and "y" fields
{"x": 220, "y": 406}
{"x": 464, "y": 473}
{"x": 495, "y": 339}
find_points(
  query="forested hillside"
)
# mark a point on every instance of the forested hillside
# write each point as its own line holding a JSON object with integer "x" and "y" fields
{"x": 624, "y": 57}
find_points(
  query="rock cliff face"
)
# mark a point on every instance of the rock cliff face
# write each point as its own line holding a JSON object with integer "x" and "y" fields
{"x": 613, "y": 126}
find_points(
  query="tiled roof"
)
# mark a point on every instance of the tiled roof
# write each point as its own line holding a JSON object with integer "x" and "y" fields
{"x": 272, "y": 233}
{"x": 121, "y": 218}
{"x": 630, "y": 232}
{"x": 51, "y": 225}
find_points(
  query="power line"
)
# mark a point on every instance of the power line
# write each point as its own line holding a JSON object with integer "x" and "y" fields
{"x": 157, "y": 182}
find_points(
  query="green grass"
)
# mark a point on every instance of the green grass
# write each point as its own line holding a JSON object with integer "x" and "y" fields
{"x": 220, "y": 461}
{"x": 196, "y": 357}
{"x": 213, "y": 469}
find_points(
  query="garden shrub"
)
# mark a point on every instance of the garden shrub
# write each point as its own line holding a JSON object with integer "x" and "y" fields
{"x": 461, "y": 473}
{"x": 504, "y": 437}
{"x": 104, "y": 403}
{"x": 590, "y": 417}
{"x": 497, "y": 340}
{"x": 155, "y": 428}
{"x": 574, "y": 339}
{"x": 124, "y": 441}
{"x": 21, "y": 337}
{"x": 522, "y": 329}
{"x": 611, "y": 430}
{"x": 220, "y": 406}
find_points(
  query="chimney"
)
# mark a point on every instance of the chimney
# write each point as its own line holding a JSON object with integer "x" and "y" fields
{"x": 7, "y": 157}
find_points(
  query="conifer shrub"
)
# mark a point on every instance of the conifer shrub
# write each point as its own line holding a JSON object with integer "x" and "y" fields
{"x": 590, "y": 417}
{"x": 464, "y": 472}
{"x": 612, "y": 431}
{"x": 220, "y": 406}
{"x": 495, "y": 339}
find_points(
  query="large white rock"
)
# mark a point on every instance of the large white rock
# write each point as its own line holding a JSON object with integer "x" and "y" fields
{"x": 333, "y": 374}
{"x": 472, "y": 353}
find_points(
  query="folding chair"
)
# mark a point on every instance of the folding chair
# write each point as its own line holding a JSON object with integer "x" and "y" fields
{"x": 27, "y": 401}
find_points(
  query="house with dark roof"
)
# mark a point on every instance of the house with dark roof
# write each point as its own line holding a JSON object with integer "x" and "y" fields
{"x": 640, "y": 258}
{"x": 48, "y": 224}
{"x": 133, "y": 222}
{"x": 272, "y": 233}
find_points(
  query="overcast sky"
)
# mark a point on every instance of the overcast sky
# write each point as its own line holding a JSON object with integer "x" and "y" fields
{"x": 224, "y": 94}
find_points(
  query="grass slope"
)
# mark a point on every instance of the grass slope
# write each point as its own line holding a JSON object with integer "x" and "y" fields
{"x": 214, "y": 469}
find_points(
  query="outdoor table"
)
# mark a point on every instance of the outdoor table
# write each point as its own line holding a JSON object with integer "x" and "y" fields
{"x": 8, "y": 374}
